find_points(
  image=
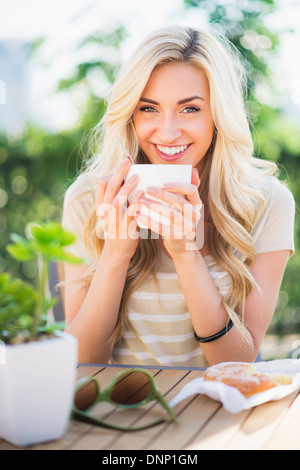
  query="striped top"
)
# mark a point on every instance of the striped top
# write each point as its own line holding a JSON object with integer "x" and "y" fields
{"x": 161, "y": 331}
{"x": 164, "y": 333}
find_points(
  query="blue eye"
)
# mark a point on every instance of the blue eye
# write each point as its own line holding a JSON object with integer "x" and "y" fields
{"x": 147, "y": 109}
{"x": 191, "y": 109}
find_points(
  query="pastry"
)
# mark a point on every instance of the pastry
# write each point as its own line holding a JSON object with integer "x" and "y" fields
{"x": 245, "y": 377}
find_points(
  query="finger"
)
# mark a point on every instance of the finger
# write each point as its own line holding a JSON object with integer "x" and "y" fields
{"x": 164, "y": 230}
{"x": 133, "y": 209}
{"x": 166, "y": 196}
{"x": 189, "y": 213}
{"x": 138, "y": 195}
{"x": 163, "y": 219}
{"x": 121, "y": 199}
{"x": 177, "y": 200}
{"x": 162, "y": 209}
{"x": 115, "y": 183}
{"x": 149, "y": 223}
{"x": 101, "y": 188}
{"x": 195, "y": 178}
{"x": 135, "y": 204}
{"x": 190, "y": 191}
{"x": 181, "y": 222}
{"x": 128, "y": 186}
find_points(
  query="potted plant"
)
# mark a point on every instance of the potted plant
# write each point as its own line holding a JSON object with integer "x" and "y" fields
{"x": 37, "y": 360}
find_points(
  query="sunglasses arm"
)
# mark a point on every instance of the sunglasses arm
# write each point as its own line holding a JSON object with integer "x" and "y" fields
{"x": 166, "y": 406}
{"x": 78, "y": 415}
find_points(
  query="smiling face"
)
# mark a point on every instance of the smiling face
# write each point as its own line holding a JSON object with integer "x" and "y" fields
{"x": 173, "y": 120}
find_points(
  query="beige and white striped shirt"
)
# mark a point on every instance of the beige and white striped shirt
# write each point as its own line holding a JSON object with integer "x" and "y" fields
{"x": 162, "y": 332}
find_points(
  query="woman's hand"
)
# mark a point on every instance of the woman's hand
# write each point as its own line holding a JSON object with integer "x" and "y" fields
{"x": 181, "y": 205}
{"x": 115, "y": 212}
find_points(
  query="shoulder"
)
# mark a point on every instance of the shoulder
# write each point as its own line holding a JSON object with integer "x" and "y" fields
{"x": 79, "y": 201}
{"x": 80, "y": 191}
{"x": 274, "y": 227}
{"x": 275, "y": 191}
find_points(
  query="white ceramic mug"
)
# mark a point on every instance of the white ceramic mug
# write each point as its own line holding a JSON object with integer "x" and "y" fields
{"x": 157, "y": 176}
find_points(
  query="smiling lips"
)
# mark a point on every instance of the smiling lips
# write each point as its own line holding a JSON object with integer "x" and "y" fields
{"x": 172, "y": 152}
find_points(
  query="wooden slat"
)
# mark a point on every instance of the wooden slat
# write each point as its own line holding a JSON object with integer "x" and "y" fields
{"x": 260, "y": 424}
{"x": 87, "y": 371}
{"x": 218, "y": 430}
{"x": 287, "y": 435}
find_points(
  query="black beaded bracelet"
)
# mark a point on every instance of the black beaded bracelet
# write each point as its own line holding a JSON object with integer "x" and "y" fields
{"x": 221, "y": 333}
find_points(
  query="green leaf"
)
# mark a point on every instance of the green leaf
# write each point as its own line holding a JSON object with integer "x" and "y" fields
{"x": 57, "y": 254}
{"x": 51, "y": 328}
{"x": 22, "y": 248}
{"x": 21, "y": 252}
{"x": 23, "y": 308}
{"x": 53, "y": 234}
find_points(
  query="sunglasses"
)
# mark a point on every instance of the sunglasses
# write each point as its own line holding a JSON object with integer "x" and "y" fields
{"x": 130, "y": 389}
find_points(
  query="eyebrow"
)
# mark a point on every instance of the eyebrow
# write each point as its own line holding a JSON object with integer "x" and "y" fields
{"x": 185, "y": 100}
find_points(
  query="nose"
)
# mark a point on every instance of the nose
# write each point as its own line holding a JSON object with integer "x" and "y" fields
{"x": 169, "y": 129}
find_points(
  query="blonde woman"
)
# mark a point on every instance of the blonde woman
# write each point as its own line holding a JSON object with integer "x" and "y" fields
{"x": 150, "y": 300}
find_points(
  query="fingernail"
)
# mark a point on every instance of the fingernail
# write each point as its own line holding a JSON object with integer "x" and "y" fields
{"x": 126, "y": 161}
{"x": 169, "y": 185}
{"x": 196, "y": 174}
{"x": 139, "y": 193}
{"x": 132, "y": 178}
{"x": 152, "y": 190}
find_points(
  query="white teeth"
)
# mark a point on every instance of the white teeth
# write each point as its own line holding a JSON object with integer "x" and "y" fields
{"x": 171, "y": 150}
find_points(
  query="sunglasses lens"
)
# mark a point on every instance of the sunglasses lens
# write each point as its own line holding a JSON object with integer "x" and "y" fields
{"x": 131, "y": 389}
{"x": 86, "y": 395}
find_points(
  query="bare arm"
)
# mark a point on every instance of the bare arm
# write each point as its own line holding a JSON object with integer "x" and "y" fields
{"x": 208, "y": 313}
{"x": 203, "y": 299}
{"x": 92, "y": 312}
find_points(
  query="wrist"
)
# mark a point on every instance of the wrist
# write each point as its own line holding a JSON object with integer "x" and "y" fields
{"x": 181, "y": 247}
{"x": 182, "y": 254}
{"x": 116, "y": 256}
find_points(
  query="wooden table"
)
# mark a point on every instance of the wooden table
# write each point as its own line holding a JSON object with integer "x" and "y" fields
{"x": 204, "y": 423}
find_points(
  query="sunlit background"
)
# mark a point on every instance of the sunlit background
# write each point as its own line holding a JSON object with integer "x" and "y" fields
{"x": 64, "y": 24}
{"x": 57, "y": 61}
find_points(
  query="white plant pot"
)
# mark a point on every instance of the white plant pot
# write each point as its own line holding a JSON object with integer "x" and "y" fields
{"x": 37, "y": 383}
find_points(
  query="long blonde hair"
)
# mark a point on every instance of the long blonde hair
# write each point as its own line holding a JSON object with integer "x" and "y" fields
{"x": 231, "y": 178}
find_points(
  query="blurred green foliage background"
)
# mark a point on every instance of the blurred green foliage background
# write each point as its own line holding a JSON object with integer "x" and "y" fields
{"x": 36, "y": 168}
